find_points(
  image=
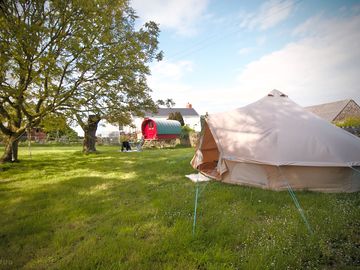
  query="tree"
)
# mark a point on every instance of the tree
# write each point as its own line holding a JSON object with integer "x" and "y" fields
{"x": 177, "y": 116}
{"x": 168, "y": 103}
{"x": 56, "y": 126}
{"x": 77, "y": 56}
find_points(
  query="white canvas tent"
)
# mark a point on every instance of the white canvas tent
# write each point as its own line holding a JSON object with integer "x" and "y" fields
{"x": 275, "y": 143}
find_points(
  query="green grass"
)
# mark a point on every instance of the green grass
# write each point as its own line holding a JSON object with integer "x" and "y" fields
{"x": 63, "y": 210}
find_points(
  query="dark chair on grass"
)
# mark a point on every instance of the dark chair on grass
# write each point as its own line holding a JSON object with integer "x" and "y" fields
{"x": 125, "y": 145}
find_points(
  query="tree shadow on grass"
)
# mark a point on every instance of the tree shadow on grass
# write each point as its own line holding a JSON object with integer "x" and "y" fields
{"x": 137, "y": 207}
{"x": 50, "y": 222}
{"x": 59, "y": 216}
{"x": 81, "y": 221}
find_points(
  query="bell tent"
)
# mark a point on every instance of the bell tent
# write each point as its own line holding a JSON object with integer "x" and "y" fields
{"x": 275, "y": 143}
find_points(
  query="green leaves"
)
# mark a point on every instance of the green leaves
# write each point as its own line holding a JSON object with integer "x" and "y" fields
{"x": 73, "y": 57}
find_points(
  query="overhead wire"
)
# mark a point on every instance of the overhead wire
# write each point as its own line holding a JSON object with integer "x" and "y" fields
{"x": 217, "y": 37}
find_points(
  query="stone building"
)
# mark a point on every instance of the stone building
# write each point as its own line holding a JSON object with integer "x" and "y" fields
{"x": 337, "y": 111}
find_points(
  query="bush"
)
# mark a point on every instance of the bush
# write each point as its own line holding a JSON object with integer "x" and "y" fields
{"x": 350, "y": 122}
{"x": 185, "y": 131}
{"x": 185, "y": 135}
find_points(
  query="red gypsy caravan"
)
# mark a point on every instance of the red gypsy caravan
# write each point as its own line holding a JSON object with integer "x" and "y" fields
{"x": 157, "y": 129}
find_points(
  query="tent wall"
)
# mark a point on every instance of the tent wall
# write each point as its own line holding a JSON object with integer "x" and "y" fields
{"x": 325, "y": 179}
{"x": 273, "y": 143}
{"x": 208, "y": 147}
{"x": 207, "y": 155}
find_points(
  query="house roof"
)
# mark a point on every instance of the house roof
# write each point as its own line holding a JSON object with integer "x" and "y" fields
{"x": 164, "y": 112}
{"x": 329, "y": 111}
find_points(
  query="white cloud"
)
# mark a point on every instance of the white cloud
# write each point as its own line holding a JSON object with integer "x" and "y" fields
{"x": 204, "y": 99}
{"x": 180, "y": 92}
{"x": 324, "y": 65}
{"x": 261, "y": 40}
{"x": 172, "y": 14}
{"x": 270, "y": 14}
{"x": 166, "y": 81}
{"x": 307, "y": 28}
{"x": 171, "y": 70}
{"x": 246, "y": 50}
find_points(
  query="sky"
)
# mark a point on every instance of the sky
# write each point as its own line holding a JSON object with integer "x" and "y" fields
{"x": 221, "y": 55}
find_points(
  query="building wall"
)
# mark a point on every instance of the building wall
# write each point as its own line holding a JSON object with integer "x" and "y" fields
{"x": 37, "y": 134}
{"x": 193, "y": 122}
{"x": 137, "y": 129}
{"x": 350, "y": 110}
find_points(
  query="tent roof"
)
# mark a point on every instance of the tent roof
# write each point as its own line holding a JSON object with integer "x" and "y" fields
{"x": 276, "y": 131}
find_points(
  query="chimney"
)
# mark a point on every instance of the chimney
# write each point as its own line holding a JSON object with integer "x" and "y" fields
{"x": 188, "y": 106}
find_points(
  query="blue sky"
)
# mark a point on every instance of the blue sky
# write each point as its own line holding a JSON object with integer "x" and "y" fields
{"x": 220, "y": 55}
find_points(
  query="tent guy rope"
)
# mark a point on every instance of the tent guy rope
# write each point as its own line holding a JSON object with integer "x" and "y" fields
{"x": 296, "y": 202}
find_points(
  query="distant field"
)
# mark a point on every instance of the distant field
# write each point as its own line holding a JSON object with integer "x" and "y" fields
{"x": 63, "y": 210}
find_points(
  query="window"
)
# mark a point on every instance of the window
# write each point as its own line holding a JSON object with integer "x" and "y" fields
{"x": 151, "y": 124}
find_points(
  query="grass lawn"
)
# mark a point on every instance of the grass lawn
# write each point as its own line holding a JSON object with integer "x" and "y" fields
{"x": 63, "y": 210}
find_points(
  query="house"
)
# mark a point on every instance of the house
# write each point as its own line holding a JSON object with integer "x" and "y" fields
{"x": 36, "y": 134}
{"x": 189, "y": 114}
{"x": 336, "y": 111}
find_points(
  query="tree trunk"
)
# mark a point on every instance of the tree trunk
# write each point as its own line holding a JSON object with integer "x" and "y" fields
{"x": 11, "y": 150}
{"x": 89, "y": 145}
